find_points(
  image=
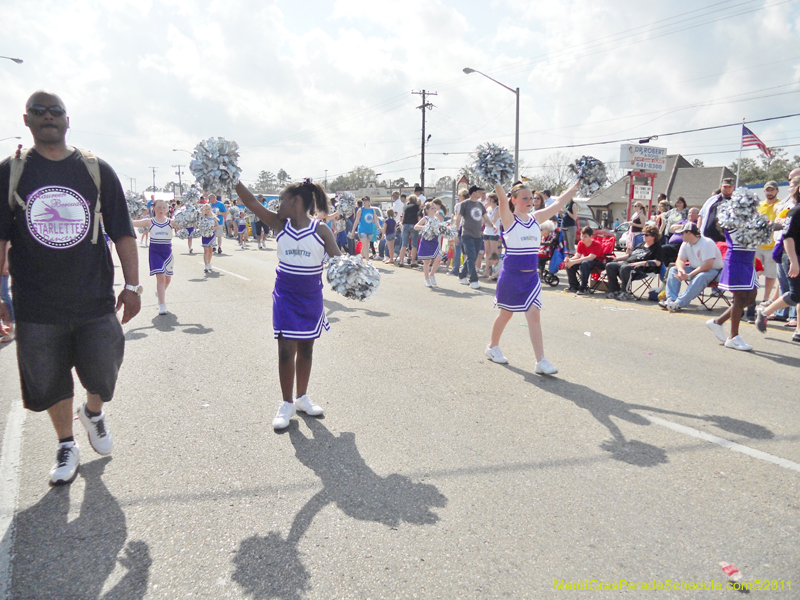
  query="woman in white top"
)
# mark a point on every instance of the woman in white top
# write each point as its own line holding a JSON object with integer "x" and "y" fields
{"x": 491, "y": 233}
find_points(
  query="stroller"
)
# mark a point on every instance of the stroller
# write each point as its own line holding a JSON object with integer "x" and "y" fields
{"x": 551, "y": 255}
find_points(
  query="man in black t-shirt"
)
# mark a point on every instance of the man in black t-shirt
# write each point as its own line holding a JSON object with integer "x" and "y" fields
{"x": 63, "y": 277}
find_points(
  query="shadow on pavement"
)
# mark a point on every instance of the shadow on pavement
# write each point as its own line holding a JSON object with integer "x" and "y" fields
{"x": 167, "y": 323}
{"x": 56, "y": 557}
{"x": 603, "y": 407}
{"x": 332, "y": 307}
{"x": 270, "y": 567}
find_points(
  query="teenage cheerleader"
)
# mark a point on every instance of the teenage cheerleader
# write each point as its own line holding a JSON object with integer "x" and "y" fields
{"x": 161, "y": 229}
{"x": 298, "y": 315}
{"x": 518, "y": 285}
{"x": 428, "y": 249}
{"x": 207, "y": 216}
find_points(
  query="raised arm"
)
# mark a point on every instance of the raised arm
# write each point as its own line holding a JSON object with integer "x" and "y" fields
{"x": 267, "y": 216}
{"x": 548, "y": 211}
{"x": 141, "y": 222}
{"x": 506, "y": 216}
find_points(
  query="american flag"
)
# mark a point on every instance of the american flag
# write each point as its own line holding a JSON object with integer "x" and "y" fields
{"x": 751, "y": 139}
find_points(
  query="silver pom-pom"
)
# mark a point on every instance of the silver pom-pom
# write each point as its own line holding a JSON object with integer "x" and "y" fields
{"x": 183, "y": 234}
{"x": 739, "y": 215}
{"x": 352, "y": 277}
{"x": 187, "y": 217}
{"x": 206, "y": 226}
{"x": 274, "y": 205}
{"x": 592, "y": 174}
{"x": 434, "y": 229}
{"x": 494, "y": 163}
{"x": 191, "y": 196}
{"x": 214, "y": 165}
{"x": 346, "y": 205}
{"x": 135, "y": 204}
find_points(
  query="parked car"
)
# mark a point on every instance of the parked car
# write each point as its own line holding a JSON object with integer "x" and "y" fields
{"x": 619, "y": 233}
{"x": 583, "y": 221}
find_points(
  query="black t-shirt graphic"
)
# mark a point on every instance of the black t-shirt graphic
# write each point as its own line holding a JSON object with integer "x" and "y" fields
{"x": 58, "y": 275}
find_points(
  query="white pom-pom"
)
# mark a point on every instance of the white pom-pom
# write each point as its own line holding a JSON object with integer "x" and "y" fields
{"x": 135, "y": 204}
{"x": 274, "y": 205}
{"x": 352, "y": 277}
{"x": 187, "y": 218}
{"x": 740, "y": 216}
{"x": 183, "y": 234}
{"x": 494, "y": 163}
{"x": 214, "y": 165}
{"x": 191, "y": 196}
{"x": 434, "y": 229}
{"x": 346, "y": 205}
{"x": 206, "y": 226}
{"x": 592, "y": 174}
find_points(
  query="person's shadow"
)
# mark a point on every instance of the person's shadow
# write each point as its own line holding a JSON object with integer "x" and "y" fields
{"x": 56, "y": 557}
{"x": 167, "y": 323}
{"x": 270, "y": 567}
{"x": 332, "y": 307}
{"x": 603, "y": 408}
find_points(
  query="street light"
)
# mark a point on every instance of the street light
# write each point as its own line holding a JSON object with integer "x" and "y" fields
{"x": 467, "y": 70}
{"x": 13, "y": 137}
{"x": 16, "y": 60}
{"x": 179, "y": 150}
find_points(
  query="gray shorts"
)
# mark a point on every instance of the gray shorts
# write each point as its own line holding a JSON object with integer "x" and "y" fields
{"x": 47, "y": 354}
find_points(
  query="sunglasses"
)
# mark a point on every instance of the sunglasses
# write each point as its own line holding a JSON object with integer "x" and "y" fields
{"x": 39, "y": 110}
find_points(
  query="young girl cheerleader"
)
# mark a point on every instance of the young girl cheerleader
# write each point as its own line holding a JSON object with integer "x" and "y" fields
{"x": 207, "y": 216}
{"x": 242, "y": 223}
{"x": 160, "y": 228}
{"x": 518, "y": 285}
{"x": 428, "y": 249}
{"x": 298, "y": 315}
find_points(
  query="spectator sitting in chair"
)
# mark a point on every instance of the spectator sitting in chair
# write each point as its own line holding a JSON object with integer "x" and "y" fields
{"x": 705, "y": 262}
{"x": 645, "y": 258}
{"x": 676, "y": 238}
{"x": 587, "y": 256}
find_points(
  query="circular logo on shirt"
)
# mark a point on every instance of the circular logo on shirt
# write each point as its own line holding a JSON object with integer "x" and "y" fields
{"x": 369, "y": 217}
{"x": 475, "y": 213}
{"x": 58, "y": 217}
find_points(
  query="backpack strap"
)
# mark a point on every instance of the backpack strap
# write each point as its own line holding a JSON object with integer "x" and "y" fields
{"x": 93, "y": 166}
{"x": 17, "y": 166}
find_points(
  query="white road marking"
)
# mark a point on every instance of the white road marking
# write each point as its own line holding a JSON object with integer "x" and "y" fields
{"x": 702, "y": 435}
{"x": 224, "y": 271}
{"x": 9, "y": 490}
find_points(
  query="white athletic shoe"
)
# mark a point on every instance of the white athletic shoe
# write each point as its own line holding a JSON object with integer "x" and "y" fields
{"x": 162, "y": 309}
{"x": 495, "y": 355}
{"x": 306, "y": 405}
{"x": 433, "y": 281}
{"x": 475, "y": 285}
{"x": 66, "y": 466}
{"x": 737, "y": 343}
{"x": 718, "y": 330}
{"x": 463, "y": 281}
{"x": 99, "y": 435}
{"x": 428, "y": 283}
{"x": 543, "y": 367}
{"x": 284, "y": 415}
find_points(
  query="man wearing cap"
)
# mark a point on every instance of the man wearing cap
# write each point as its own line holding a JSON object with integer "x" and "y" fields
{"x": 764, "y": 253}
{"x": 704, "y": 260}
{"x": 707, "y": 223}
{"x": 471, "y": 215}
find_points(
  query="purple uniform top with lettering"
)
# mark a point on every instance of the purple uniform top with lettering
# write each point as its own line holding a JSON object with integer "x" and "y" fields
{"x": 518, "y": 285}
{"x": 297, "y": 310}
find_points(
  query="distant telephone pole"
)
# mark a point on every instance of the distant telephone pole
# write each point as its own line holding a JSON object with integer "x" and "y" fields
{"x": 180, "y": 183}
{"x": 424, "y": 106}
{"x": 154, "y": 177}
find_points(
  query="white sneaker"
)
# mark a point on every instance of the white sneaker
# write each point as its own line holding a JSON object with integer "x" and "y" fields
{"x": 495, "y": 355}
{"x": 718, "y": 330}
{"x": 66, "y": 466}
{"x": 285, "y": 413}
{"x": 99, "y": 435}
{"x": 737, "y": 343}
{"x": 673, "y": 306}
{"x": 162, "y": 309}
{"x": 433, "y": 281}
{"x": 428, "y": 283}
{"x": 464, "y": 281}
{"x": 304, "y": 404}
{"x": 475, "y": 285}
{"x": 543, "y": 367}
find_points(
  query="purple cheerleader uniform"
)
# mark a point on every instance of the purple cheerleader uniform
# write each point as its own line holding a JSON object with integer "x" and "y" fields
{"x": 518, "y": 285}
{"x": 161, "y": 259}
{"x": 738, "y": 268}
{"x": 208, "y": 242}
{"x": 428, "y": 249}
{"x": 297, "y": 309}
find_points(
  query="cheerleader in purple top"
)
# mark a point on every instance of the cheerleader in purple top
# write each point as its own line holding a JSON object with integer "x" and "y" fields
{"x": 298, "y": 315}
{"x": 518, "y": 285}
{"x": 738, "y": 277}
{"x": 428, "y": 250}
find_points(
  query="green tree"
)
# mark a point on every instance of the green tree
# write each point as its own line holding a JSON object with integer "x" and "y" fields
{"x": 355, "y": 179}
{"x": 265, "y": 184}
{"x": 765, "y": 168}
{"x": 283, "y": 178}
{"x": 697, "y": 163}
{"x": 444, "y": 183}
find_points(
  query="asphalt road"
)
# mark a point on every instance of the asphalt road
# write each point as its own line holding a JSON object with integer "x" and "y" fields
{"x": 434, "y": 473}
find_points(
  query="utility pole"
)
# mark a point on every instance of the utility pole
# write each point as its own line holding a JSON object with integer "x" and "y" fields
{"x": 326, "y": 180}
{"x": 154, "y": 177}
{"x": 425, "y": 105}
{"x": 180, "y": 183}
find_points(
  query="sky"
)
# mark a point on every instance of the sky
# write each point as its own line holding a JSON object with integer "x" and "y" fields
{"x": 317, "y": 87}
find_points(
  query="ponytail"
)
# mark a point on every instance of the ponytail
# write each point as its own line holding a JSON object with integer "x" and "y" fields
{"x": 315, "y": 200}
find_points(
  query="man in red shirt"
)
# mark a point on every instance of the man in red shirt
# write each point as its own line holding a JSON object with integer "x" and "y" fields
{"x": 586, "y": 257}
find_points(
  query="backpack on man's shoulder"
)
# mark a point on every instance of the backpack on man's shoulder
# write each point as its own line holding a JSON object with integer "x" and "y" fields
{"x": 18, "y": 165}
